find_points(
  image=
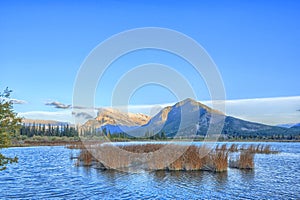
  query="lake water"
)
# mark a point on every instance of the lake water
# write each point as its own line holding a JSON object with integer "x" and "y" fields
{"x": 49, "y": 173}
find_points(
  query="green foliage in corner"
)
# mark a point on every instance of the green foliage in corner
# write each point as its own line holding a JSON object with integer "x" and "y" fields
{"x": 9, "y": 125}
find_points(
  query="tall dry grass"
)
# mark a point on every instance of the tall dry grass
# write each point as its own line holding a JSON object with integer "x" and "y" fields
{"x": 194, "y": 158}
{"x": 245, "y": 160}
{"x": 83, "y": 144}
{"x": 85, "y": 157}
{"x": 259, "y": 149}
{"x": 173, "y": 157}
{"x": 145, "y": 148}
{"x": 233, "y": 148}
{"x": 219, "y": 160}
{"x": 146, "y": 157}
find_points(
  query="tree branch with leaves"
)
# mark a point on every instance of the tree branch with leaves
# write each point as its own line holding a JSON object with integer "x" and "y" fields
{"x": 9, "y": 126}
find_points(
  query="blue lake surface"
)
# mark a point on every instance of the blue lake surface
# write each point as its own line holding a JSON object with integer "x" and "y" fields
{"x": 49, "y": 173}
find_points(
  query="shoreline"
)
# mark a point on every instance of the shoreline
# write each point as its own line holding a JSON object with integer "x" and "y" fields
{"x": 32, "y": 143}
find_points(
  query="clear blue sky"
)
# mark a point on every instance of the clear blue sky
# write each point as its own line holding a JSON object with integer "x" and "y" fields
{"x": 255, "y": 44}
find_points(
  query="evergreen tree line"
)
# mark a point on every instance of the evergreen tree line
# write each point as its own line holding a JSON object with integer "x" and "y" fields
{"x": 70, "y": 131}
{"x": 48, "y": 130}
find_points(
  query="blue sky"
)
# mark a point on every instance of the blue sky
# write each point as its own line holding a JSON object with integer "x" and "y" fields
{"x": 255, "y": 44}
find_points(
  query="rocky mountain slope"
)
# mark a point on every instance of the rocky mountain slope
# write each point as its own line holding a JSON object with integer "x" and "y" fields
{"x": 187, "y": 116}
{"x": 113, "y": 117}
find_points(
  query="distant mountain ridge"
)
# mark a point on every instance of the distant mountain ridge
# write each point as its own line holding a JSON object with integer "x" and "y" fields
{"x": 232, "y": 126}
{"x": 296, "y": 125}
{"x": 114, "y": 117}
{"x": 288, "y": 125}
{"x": 197, "y": 120}
{"x": 168, "y": 120}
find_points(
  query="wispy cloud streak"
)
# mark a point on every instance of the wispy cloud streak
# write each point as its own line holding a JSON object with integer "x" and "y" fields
{"x": 58, "y": 105}
{"x": 14, "y": 101}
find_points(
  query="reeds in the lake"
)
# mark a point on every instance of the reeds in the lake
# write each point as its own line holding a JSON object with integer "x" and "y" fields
{"x": 218, "y": 160}
{"x": 157, "y": 157}
{"x": 171, "y": 157}
{"x": 233, "y": 148}
{"x": 83, "y": 144}
{"x": 245, "y": 160}
{"x": 86, "y": 157}
{"x": 145, "y": 148}
{"x": 194, "y": 158}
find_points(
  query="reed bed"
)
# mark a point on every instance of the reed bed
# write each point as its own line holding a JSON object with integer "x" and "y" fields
{"x": 244, "y": 161}
{"x": 171, "y": 157}
{"x": 218, "y": 161}
{"x": 75, "y": 146}
{"x": 233, "y": 148}
{"x": 259, "y": 149}
{"x": 193, "y": 158}
{"x": 85, "y": 157}
{"x": 146, "y": 157}
{"x": 83, "y": 144}
{"x": 145, "y": 148}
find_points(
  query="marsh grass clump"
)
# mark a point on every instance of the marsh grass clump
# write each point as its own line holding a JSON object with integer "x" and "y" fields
{"x": 267, "y": 150}
{"x": 145, "y": 148}
{"x": 83, "y": 144}
{"x": 216, "y": 160}
{"x": 186, "y": 158}
{"x": 85, "y": 157}
{"x": 245, "y": 160}
{"x": 173, "y": 158}
{"x": 260, "y": 149}
{"x": 233, "y": 148}
{"x": 75, "y": 146}
{"x": 194, "y": 158}
{"x": 220, "y": 160}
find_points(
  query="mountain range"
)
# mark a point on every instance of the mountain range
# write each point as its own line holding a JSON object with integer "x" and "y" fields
{"x": 183, "y": 119}
{"x": 289, "y": 125}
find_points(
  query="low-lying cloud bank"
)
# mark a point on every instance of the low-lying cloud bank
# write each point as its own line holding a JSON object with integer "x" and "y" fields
{"x": 63, "y": 116}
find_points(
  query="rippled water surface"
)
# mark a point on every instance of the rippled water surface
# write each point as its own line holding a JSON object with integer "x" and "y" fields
{"x": 48, "y": 172}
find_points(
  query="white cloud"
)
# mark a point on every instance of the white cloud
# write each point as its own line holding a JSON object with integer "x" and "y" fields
{"x": 273, "y": 111}
{"x": 65, "y": 115}
{"x": 18, "y": 101}
{"x": 14, "y": 101}
{"x": 58, "y": 105}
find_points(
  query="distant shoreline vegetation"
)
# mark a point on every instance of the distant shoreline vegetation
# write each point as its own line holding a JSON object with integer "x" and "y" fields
{"x": 42, "y": 134}
{"x": 24, "y": 141}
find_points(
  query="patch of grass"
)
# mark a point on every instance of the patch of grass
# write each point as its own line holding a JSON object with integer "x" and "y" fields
{"x": 157, "y": 157}
{"x": 188, "y": 158}
{"x": 85, "y": 157}
{"x": 233, "y": 148}
{"x": 245, "y": 160}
